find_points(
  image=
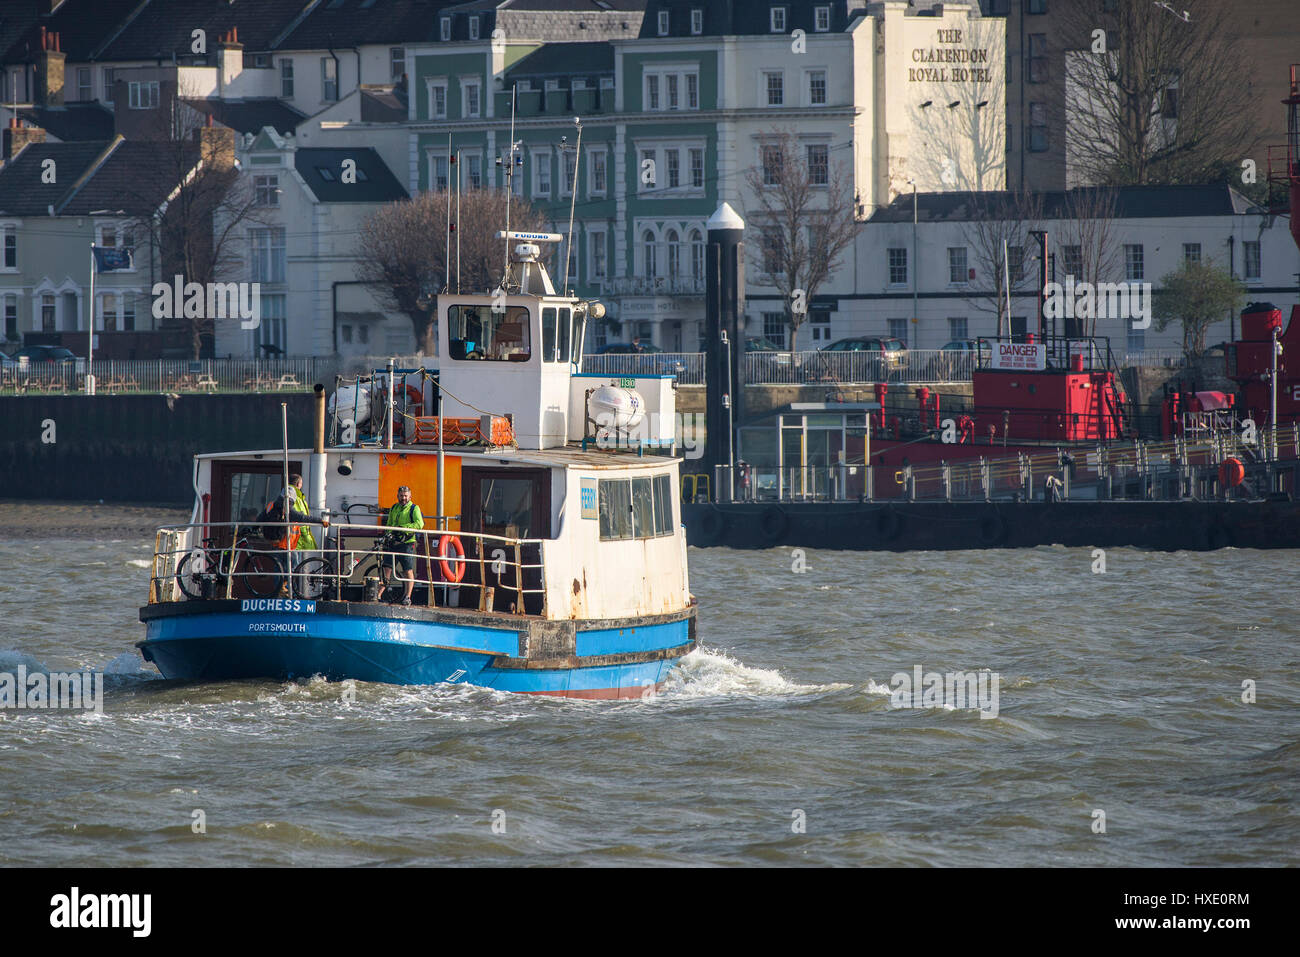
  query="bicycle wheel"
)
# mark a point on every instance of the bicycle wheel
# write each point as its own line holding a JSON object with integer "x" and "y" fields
{"x": 261, "y": 575}
{"x": 189, "y": 577}
{"x": 313, "y": 577}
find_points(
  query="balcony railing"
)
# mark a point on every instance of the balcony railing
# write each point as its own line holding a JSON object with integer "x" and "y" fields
{"x": 654, "y": 286}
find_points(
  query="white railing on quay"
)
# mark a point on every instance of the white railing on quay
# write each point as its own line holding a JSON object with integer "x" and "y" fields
{"x": 688, "y": 367}
{"x": 152, "y": 376}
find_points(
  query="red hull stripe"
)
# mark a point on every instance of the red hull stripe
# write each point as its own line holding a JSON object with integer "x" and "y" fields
{"x": 600, "y": 694}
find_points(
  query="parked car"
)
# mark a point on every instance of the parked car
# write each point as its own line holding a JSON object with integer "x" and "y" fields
{"x": 894, "y": 351}
{"x": 969, "y": 345}
{"x": 769, "y": 353}
{"x": 49, "y": 354}
{"x": 667, "y": 365}
{"x": 7, "y": 363}
{"x": 958, "y": 358}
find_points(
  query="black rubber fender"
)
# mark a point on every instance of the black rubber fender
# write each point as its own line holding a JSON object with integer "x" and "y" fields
{"x": 889, "y": 524}
{"x": 992, "y": 528}
{"x": 774, "y": 523}
{"x": 713, "y": 525}
{"x": 1218, "y": 536}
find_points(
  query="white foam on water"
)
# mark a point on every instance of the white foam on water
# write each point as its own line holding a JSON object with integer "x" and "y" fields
{"x": 11, "y": 658}
{"x": 139, "y": 562}
{"x": 128, "y": 663}
{"x": 873, "y": 688}
{"x": 709, "y": 674}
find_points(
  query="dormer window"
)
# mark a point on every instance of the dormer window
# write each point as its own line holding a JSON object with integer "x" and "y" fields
{"x": 697, "y": 21}
{"x": 778, "y": 19}
{"x": 446, "y": 28}
{"x": 821, "y": 19}
{"x": 663, "y": 23}
{"x": 473, "y": 28}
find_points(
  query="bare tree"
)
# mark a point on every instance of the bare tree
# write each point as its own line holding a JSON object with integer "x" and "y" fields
{"x": 402, "y": 249}
{"x": 190, "y": 201}
{"x": 1088, "y": 246}
{"x": 1148, "y": 97}
{"x": 998, "y": 222}
{"x": 805, "y": 210}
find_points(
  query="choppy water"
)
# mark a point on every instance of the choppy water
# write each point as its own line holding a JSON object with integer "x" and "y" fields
{"x": 1119, "y": 692}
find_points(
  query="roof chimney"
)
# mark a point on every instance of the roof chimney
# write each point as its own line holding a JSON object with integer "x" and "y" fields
{"x": 216, "y": 145}
{"x": 230, "y": 60}
{"x": 16, "y": 137}
{"x": 49, "y": 70}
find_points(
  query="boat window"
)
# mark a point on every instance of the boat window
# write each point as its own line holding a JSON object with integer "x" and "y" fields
{"x": 555, "y": 334}
{"x": 643, "y": 509}
{"x": 576, "y": 354}
{"x": 635, "y": 508}
{"x": 663, "y": 505}
{"x": 507, "y": 506}
{"x": 476, "y": 332}
{"x": 615, "y": 510}
{"x": 250, "y": 492}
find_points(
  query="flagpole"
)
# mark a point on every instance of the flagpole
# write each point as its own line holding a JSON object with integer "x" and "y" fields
{"x": 90, "y": 346}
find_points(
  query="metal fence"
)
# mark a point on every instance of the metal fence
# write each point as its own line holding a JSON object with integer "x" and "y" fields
{"x": 1148, "y": 358}
{"x": 151, "y": 376}
{"x": 798, "y": 368}
{"x": 816, "y": 368}
{"x": 688, "y": 367}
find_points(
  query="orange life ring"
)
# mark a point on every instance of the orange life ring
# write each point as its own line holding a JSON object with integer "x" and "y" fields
{"x": 448, "y": 572}
{"x": 414, "y": 400}
{"x": 1232, "y": 472}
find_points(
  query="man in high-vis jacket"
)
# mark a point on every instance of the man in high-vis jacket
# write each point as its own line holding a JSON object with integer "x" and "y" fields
{"x": 404, "y": 515}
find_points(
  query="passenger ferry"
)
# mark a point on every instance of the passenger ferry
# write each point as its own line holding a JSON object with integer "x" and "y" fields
{"x": 548, "y": 564}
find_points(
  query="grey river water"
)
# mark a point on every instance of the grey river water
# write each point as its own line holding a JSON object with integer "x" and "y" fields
{"x": 1120, "y": 693}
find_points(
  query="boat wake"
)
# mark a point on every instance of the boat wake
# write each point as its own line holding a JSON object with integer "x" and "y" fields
{"x": 715, "y": 674}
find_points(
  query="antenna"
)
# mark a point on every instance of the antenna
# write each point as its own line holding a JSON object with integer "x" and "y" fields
{"x": 458, "y": 178}
{"x": 510, "y": 174}
{"x": 447, "y": 287}
{"x": 573, "y": 198}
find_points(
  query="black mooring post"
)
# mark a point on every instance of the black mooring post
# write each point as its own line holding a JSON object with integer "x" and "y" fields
{"x": 724, "y": 304}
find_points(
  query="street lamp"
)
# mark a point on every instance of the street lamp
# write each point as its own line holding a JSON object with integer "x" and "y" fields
{"x": 915, "y": 257}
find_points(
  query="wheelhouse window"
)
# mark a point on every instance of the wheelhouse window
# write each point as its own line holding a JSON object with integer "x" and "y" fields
{"x": 476, "y": 332}
{"x": 557, "y": 326}
{"x": 635, "y": 508}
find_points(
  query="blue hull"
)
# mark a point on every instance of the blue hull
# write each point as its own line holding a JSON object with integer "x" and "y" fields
{"x": 209, "y": 641}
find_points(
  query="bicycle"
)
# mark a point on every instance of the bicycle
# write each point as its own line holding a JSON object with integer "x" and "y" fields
{"x": 259, "y": 570}
{"x": 314, "y": 575}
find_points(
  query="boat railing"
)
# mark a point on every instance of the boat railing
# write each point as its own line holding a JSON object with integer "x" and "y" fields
{"x": 1185, "y": 466}
{"x": 224, "y": 560}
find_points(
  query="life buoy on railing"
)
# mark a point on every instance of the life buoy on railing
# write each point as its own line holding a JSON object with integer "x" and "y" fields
{"x": 1232, "y": 472}
{"x": 414, "y": 401}
{"x": 446, "y": 545}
